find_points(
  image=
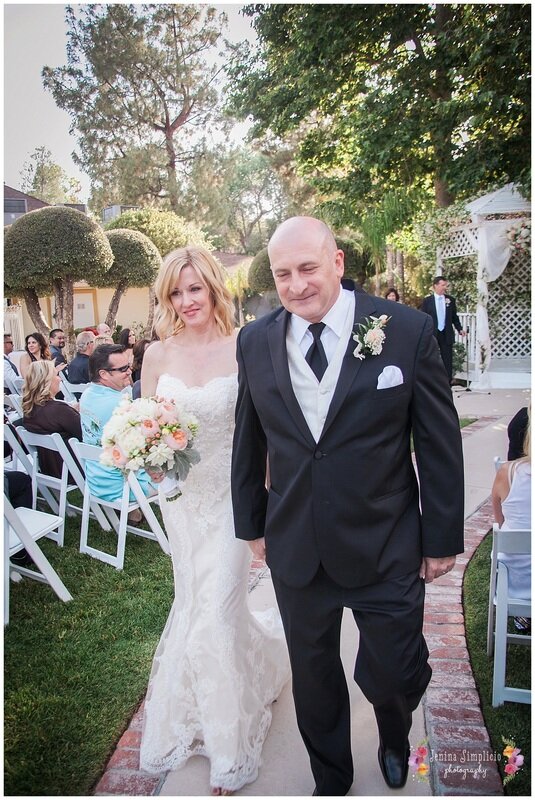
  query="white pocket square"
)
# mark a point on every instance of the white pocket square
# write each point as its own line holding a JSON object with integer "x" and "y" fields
{"x": 390, "y": 376}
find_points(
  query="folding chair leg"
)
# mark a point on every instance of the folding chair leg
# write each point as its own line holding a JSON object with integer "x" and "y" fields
{"x": 6, "y": 577}
{"x": 500, "y": 641}
{"x": 490, "y": 628}
{"x": 46, "y": 569}
{"x": 150, "y": 516}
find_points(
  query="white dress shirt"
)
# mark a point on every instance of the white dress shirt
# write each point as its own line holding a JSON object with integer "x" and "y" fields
{"x": 440, "y": 305}
{"x": 334, "y": 321}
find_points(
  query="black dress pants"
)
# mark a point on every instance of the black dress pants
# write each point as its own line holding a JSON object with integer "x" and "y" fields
{"x": 446, "y": 351}
{"x": 391, "y": 666}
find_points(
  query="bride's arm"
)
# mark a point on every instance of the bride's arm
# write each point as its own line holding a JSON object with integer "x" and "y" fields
{"x": 151, "y": 368}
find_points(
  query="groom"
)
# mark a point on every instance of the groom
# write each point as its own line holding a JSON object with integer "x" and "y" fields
{"x": 330, "y": 420}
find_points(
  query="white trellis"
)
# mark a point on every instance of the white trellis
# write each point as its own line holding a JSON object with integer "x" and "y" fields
{"x": 506, "y": 269}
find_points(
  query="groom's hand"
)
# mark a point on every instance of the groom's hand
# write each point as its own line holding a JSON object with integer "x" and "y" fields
{"x": 258, "y": 546}
{"x": 432, "y": 568}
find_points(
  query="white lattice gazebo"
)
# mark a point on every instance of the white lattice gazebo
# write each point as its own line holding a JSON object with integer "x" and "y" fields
{"x": 502, "y": 359}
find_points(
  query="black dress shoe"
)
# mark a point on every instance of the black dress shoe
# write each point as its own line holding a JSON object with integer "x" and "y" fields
{"x": 394, "y": 766}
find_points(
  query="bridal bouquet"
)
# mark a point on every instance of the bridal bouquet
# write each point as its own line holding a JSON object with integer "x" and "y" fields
{"x": 151, "y": 434}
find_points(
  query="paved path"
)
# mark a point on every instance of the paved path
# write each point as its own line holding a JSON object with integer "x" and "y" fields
{"x": 449, "y": 719}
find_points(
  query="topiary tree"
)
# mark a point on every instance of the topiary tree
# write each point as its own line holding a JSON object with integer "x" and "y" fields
{"x": 45, "y": 252}
{"x": 166, "y": 230}
{"x": 136, "y": 263}
{"x": 357, "y": 266}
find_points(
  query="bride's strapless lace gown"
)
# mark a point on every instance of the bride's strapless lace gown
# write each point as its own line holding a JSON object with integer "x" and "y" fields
{"x": 217, "y": 668}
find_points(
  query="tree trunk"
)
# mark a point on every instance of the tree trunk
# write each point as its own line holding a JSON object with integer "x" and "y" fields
{"x": 442, "y": 91}
{"x": 171, "y": 171}
{"x": 64, "y": 314}
{"x": 390, "y": 255}
{"x": 443, "y": 197}
{"x": 111, "y": 316}
{"x": 150, "y": 318}
{"x": 34, "y": 310}
{"x": 377, "y": 260}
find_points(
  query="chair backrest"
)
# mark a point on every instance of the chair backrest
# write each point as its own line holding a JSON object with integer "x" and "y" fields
{"x": 14, "y": 384}
{"x": 512, "y": 542}
{"x": 71, "y": 390}
{"x": 85, "y": 452}
{"x": 15, "y": 401}
{"x": 18, "y": 450}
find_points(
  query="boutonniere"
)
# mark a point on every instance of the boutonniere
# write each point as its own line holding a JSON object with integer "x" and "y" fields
{"x": 447, "y": 301}
{"x": 369, "y": 336}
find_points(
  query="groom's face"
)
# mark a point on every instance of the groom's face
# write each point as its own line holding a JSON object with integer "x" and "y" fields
{"x": 307, "y": 271}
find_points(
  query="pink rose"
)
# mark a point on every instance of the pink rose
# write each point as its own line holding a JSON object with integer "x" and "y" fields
{"x": 167, "y": 412}
{"x": 511, "y": 769}
{"x": 177, "y": 440}
{"x": 118, "y": 456}
{"x": 149, "y": 428}
{"x": 422, "y": 751}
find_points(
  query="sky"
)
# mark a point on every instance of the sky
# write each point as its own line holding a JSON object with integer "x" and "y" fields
{"x": 35, "y": 36}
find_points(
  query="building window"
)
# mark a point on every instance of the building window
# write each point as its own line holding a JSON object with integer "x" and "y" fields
{"x": 14, "y": 206}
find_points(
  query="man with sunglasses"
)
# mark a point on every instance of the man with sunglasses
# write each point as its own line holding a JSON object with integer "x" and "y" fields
{"x": 110, "y": 376}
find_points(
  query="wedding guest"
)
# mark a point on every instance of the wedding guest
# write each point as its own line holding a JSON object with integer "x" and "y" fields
{"x": 78, "y": 371}
{"x": 127, "y": 338}
{"x": 10, "y": 370}
{"x": 138, "y": 352}
{"x": 103, "y": 339}
{"x": 36, "y": 349}
{"x": 56, "y": 338}
{"x": 103, "y": 329}
{"x": 109, "y": 373}
{"x": 43, "y": 414}
{"x": 442, "y": 309}
{"x": 392, "y": 294}
{"x": 511, "y": 502}
{"x": 516, "y": 433}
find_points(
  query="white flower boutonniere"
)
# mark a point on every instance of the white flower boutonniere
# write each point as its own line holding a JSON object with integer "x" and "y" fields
{"x": 447, "y": 301}
{"x": 370, "y": 336}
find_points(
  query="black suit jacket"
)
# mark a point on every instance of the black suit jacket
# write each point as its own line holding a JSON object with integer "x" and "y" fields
{"x": 452, "y": 320}
{"x": 351, "y": 501}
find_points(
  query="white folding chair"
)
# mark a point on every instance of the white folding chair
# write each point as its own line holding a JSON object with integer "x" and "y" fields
{"x": 502, "y": 606}
{"x": 22, "y": 460}
{"x": 70, "y": 390}
{"x": 14, "y": 384}
{"x": 88, "y": 452}
{"x": 22, "y": 528}
{"x": 15, "y": 402}
{"x": 63, "y": 485}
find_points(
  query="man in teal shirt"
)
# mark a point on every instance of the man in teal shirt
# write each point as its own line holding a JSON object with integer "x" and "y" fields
{"x": 110, "y": 375}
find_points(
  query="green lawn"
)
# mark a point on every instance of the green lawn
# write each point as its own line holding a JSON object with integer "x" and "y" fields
{"x": 75, "y": 672}
{"x": 512, "y": 720}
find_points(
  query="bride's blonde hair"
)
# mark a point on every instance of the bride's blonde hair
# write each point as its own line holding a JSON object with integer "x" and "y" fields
{"x": 209, "y": 271}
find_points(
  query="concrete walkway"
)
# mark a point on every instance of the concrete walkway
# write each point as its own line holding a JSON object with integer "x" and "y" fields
{"x": 448, "y": 720}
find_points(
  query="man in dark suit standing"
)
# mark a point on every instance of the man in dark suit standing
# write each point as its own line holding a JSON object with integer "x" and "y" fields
{"x": 329, "y": 418}
{"x": 442, "y": 309}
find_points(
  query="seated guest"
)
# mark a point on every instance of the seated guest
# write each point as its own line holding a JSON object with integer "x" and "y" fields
{"x": 78, "y": 371}
{"x": 103, "y": 329}
{"x": 36, "y": 350}
{"x": 57, "y": 343}
{"x": 511, "y": 502}
{"x": 43, "y": 414}
{"x": 109, "y": 372}
{"x": 138, "y": 351}
{"x": 392, "y": 294}
{"x": 127, "y": 338}
{"x": 10, "y": 370}
{"x": 516, "y": 432}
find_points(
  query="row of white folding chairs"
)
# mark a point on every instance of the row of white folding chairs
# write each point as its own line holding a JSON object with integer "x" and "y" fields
{"x": 93, "y": 506}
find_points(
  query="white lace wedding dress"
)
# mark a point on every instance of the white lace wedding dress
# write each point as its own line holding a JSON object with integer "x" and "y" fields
{"x": 217, "y": 668}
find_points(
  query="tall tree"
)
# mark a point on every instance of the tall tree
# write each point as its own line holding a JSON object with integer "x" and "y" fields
{"x": 43, "y": 178}
{"x": 137, "y": 76}
{"x": 429, "y": 98}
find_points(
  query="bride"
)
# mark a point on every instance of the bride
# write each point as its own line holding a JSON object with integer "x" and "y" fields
{"x": 217, "y": 668}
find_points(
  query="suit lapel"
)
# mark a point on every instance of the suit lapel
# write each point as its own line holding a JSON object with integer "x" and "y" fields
{"x": 364, "y": 307}
{"x": 276, "y": 334}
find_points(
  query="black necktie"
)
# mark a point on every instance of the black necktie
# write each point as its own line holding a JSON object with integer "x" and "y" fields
{"x": 315, "y": 356}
